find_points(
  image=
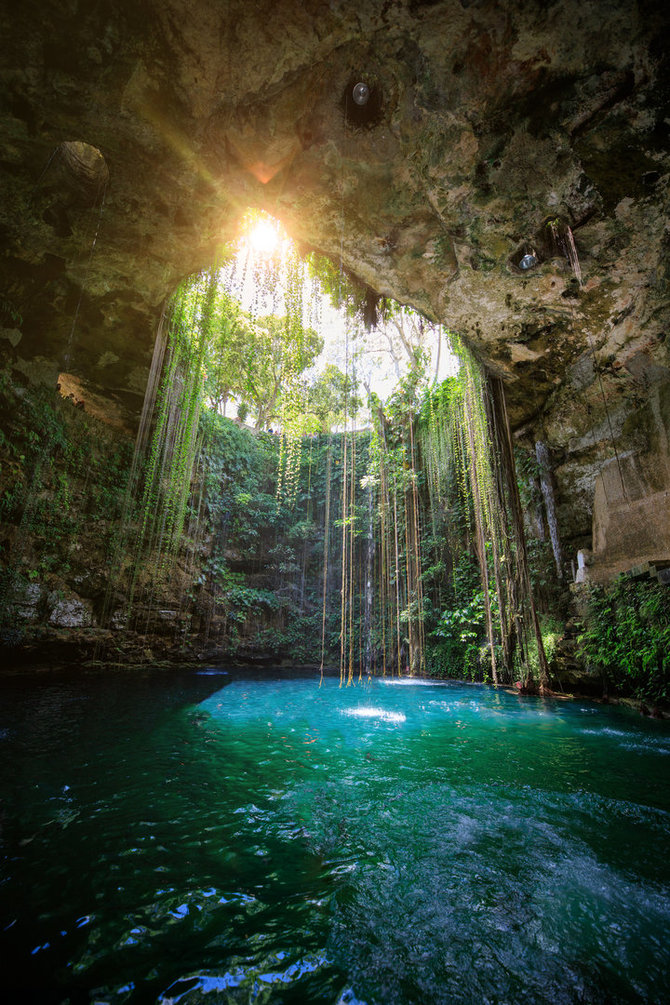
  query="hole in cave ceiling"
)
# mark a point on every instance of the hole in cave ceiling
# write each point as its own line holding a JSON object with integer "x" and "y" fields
{"x": 282, "y": 299}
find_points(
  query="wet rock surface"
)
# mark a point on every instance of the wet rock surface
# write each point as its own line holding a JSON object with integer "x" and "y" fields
{"x": 69, "y": 611}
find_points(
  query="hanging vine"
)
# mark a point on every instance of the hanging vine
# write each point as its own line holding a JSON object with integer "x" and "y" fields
{"x": 467, "y": 451}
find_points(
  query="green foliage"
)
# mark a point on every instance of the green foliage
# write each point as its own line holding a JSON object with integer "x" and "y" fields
{"x": 330, "y": 399}
{"x": 233, "y": 521}
{"x": 262, "y": 566}
{"x": 347, "y": 293}
{"x": 213, "y": 350}
{"x": 238, "y": 473}
{"x": 62, "y": 483}
{"x": 269, "y": 364}
{"x": 259, "y": 360}
{"x": 230, "y": 330}
{"x": 474, "y": 507}
{"x": 626, "y": 637}
{"x": 59, "y": 472}
{"x": 240, "y": 601}
{"x": 528, "y": 476}
{"x": 552, "y": 629}
{"x": 463, "y": 625}
{"x": 456, "y": 641}
{"x": 169, "y": 466}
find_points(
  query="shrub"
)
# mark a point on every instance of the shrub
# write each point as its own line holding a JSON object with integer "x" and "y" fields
{"x": 626, "y": 635}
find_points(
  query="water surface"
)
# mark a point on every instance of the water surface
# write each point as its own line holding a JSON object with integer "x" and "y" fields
{"x": 216, "y": 838}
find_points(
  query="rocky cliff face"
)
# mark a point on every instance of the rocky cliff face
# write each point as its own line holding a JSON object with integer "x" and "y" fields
{"x": 134, "y": 135}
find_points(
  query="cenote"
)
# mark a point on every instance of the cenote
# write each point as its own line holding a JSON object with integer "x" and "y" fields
{"x": 334, "y": 481}
{"x": 228, "y": 836}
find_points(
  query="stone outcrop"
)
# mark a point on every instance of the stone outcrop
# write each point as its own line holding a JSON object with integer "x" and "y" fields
{"x": 631, "y": 509}
{"x": 133, "y": 136}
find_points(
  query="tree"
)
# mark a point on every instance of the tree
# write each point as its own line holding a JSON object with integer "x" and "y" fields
{"x": 331, "y": 398}
{"x": 230, "y": 331}
{"x": 272, "y": 357}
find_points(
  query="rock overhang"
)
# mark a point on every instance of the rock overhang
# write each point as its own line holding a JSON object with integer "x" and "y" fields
{"x": 487, "y": 120}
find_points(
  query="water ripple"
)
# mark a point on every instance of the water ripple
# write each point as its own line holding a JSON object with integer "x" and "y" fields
{"x": 291, "y": 840}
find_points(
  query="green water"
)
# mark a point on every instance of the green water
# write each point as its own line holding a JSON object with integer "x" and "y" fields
{"x": 209, "y": 838}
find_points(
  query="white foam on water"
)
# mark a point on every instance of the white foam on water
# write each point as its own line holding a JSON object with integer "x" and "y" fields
{"x": 648, "y": 748}
{"x": 605, "y": 731}
{"x": 632, "y": 739}
{"x": 349, "y": 998}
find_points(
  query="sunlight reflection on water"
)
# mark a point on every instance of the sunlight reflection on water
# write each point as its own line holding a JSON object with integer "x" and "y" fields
{"x": 375, "y": 713}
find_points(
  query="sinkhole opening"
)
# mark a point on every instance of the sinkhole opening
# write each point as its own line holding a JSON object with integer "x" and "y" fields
{"x": 294, "y": 338}
{"x": 312, "y": 488}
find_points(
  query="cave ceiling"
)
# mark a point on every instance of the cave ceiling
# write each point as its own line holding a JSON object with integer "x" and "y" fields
{"x": 483, "y": 121}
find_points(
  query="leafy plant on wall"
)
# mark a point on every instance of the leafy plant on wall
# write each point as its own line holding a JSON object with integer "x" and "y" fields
{"x": 626, "y": 636}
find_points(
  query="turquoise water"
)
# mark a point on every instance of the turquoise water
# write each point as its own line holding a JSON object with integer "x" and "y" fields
{"x": 213, "y": 838}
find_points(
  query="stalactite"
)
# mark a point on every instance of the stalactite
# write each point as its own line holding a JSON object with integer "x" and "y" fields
{"x": 549, "y": 497}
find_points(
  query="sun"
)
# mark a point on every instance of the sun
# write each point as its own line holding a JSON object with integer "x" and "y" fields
{"x": 263, "y": 236}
